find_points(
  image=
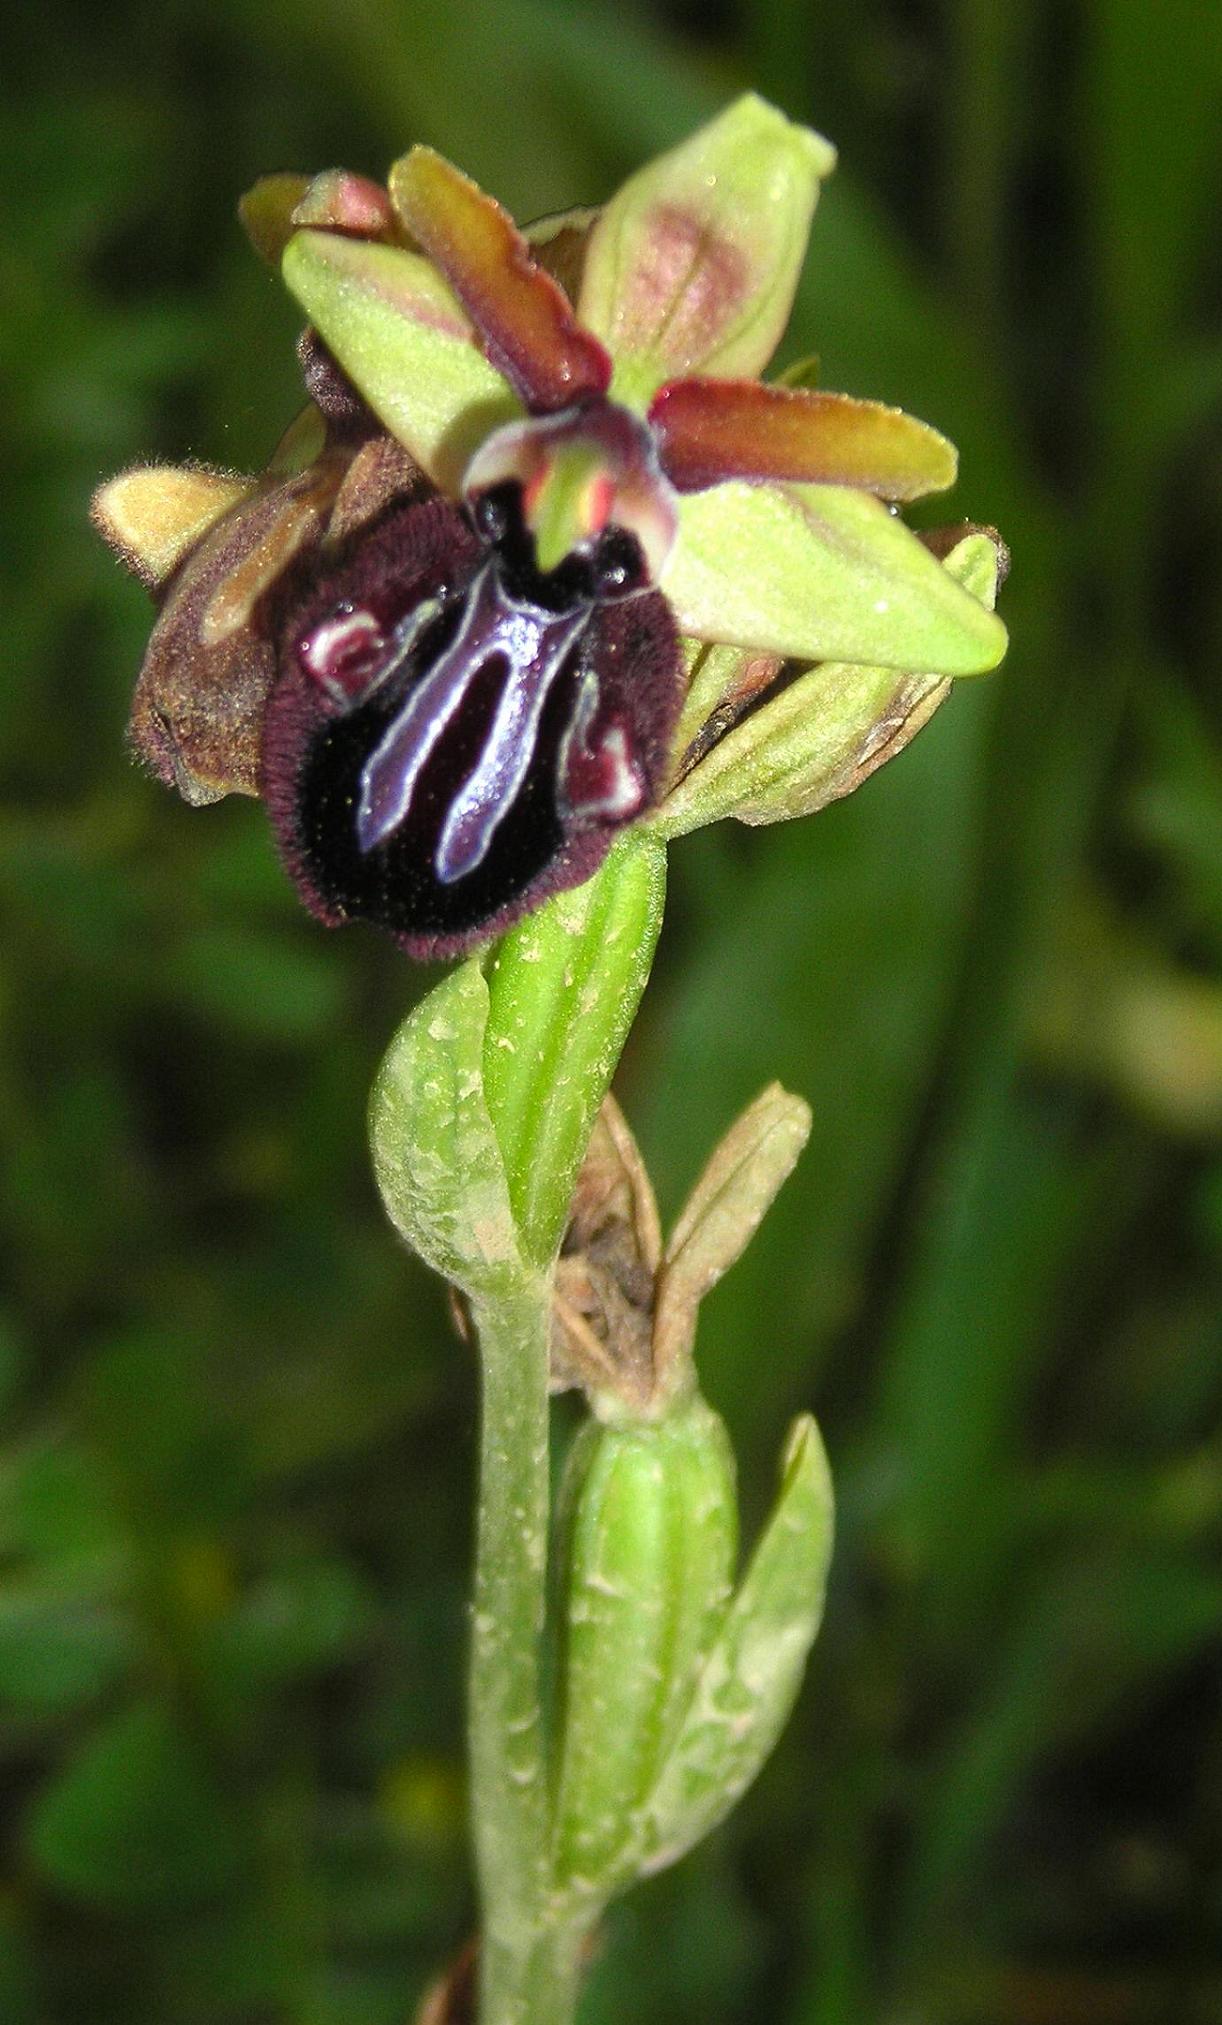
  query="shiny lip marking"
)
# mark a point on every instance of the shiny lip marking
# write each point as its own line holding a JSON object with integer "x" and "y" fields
{"x": 533, "y": 645}
{"x": 603, "y": 780}
{"x": 338, "y": 653}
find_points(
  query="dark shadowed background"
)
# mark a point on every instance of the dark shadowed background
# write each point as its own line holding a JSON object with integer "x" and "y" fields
{"x": 235, "y": 1451}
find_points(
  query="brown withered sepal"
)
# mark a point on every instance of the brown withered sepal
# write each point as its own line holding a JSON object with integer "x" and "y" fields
{"x": 603, "y": 1299}
{"x": 197, "y": 715}
{"x": 625, "y": 1305}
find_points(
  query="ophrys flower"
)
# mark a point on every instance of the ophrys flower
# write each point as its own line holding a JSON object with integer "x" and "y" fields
{"x": 476, "y": 609}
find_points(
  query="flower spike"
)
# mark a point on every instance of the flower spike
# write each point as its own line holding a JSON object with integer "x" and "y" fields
{"x": 710, "y": 430}
{"x": 529, "y": 331}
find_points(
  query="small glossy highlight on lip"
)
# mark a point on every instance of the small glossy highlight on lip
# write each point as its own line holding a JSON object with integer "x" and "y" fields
{"x": 340, "y": 653}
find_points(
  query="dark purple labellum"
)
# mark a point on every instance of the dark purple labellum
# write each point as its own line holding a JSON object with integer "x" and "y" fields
{"x": 452, "y": 737}
{"x": 517, "y": 652}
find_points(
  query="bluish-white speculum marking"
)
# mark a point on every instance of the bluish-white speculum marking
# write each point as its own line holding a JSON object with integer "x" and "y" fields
{"x": 543, "y": 643}
{"x": 532, "y": 646}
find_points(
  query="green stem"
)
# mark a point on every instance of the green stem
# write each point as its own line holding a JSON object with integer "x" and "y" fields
{"x": 543, "y": 1985}
{"x": 563, "y": 989}
{"x": 529, "y": 1953}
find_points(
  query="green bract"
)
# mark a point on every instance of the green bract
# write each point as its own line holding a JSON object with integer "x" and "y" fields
{"x": 435, "y": 1153}
{"x": 751, "y": 1674}
{"x": 482, "y": 1108}
{"x": 565, "y": 986}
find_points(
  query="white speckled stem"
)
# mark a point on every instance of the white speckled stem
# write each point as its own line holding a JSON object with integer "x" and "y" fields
{"x": 529, "y": 1953}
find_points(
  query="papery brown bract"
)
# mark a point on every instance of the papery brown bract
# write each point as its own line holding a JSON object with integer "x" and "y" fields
{"x": 197, "y": 713}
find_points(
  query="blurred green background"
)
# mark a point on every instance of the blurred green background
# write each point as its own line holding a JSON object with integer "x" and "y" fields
{"x": 235, "y": 1466}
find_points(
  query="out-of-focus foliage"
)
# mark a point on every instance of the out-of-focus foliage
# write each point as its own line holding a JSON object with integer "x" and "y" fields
{"x": 235, "y": 1456}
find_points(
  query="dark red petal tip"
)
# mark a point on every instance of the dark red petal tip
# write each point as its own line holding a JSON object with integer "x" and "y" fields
{"x": 529, "y": 331}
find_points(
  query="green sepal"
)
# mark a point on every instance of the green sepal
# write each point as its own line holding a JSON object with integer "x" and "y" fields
{"x": 435, "y": 1154}
{"x": 821, "y": 573}
{"x": 648, "y": 1537}
{"x": 750, "y": 1679}
{"x": 404, "y": 342}
{"x": 820, "y": 736}
{"x": 564, "y": 988}
{"x": 692, "y": 265}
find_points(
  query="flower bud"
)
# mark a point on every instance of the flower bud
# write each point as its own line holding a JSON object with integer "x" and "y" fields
{"x": 753, "y": 1669}
{"x": 648, "y": 1537}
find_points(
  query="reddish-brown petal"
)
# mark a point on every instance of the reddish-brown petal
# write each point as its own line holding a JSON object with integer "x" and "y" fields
{"x": 712, "y": 430}
{"x": 527, "y": 325}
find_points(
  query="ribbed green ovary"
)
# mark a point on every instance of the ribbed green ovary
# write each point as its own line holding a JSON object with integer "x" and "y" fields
{"x": 649, "y": 1532}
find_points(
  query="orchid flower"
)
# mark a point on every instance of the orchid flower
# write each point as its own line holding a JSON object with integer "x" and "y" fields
{"x": 546, "y": 556}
